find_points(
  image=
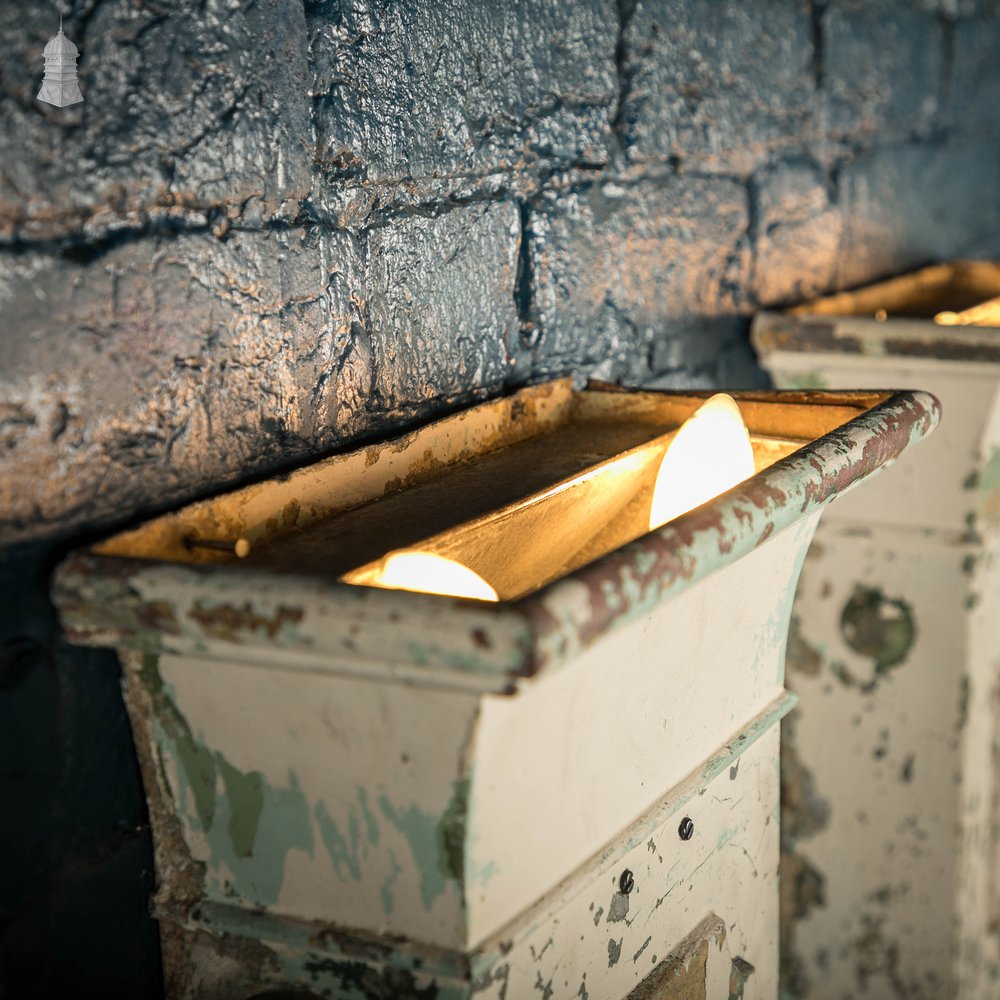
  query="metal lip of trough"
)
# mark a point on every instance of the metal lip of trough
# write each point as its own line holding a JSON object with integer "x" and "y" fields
{"x": 326, "y": 626}
{"x": 891, "y": 318}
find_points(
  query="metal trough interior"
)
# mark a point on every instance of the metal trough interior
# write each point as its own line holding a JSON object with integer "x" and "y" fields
{"x": 521, "y": 496}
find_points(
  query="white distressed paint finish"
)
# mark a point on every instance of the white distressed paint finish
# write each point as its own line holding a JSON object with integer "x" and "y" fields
{"x": 581, "y": 753}
{"x": 596, "y": 937}
{"x": 959, "y": 447}
{"x": 911, "y": 866}
{"x": 372, "y": 767}
{"x": 883, "y": 748}
{"x": 357, "y": 776}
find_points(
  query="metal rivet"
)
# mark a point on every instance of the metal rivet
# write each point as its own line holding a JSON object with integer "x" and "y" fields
{"x": 240, "y": 548}
{"x": 627, "y": 882}
{"x": 686, "y": 829}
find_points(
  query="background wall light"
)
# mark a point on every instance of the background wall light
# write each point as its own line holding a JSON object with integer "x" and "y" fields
{"x": 891, "y": 772}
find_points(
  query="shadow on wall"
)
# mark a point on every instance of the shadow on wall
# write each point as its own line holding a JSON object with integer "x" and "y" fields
{"x": 78, "y": 865}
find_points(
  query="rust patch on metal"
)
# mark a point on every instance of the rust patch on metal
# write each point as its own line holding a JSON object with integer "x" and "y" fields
{"x": 158, "y": 615}
{"x": 647, "y": 567}
{"x": 943, "y": 348}
{"x": 290, "y": 514}
{"x": 227, "y": 621}
{"x": 780, "y": 334}
{"x": 682, "y": 975}
{"x": 741, "y": 971}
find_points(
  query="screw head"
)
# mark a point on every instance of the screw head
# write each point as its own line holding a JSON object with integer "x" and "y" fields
{"x": 627, "y": 882}
{"x": 686, "y": 829}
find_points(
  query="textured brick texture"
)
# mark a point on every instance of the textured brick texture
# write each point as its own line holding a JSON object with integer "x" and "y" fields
{"x": 275, "y": 228}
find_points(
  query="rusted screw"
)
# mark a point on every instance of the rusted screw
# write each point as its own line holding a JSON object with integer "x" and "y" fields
{"x": 686, "y": 829}
{"x": 627, "y": 882}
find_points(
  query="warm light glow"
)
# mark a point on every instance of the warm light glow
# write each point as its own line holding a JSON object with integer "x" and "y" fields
{"x": 985, "y": 314}
{"x": 710, "y": 454}
{"x": 431, "y": 574}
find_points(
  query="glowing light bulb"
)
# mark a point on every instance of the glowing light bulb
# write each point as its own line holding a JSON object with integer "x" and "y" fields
{"x": 984, "y": 314}
{"x": 431, "y": 574}
{"x": 710, "y": 454}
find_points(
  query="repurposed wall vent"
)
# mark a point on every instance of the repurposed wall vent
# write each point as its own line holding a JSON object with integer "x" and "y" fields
{"x": 568, "y": 781}
{"x": 891, "y": 771}
{"x": 60, "y": 85}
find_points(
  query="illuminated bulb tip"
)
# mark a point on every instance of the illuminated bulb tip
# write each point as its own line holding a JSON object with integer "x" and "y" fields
{"x": 710, "y": 454}
{"x": 432, "y": 574}
{"x": 948, "y": 319}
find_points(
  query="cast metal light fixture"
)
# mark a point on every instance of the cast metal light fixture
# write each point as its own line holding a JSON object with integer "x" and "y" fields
{"x": 365, "y": 785}
{"x": 894, "y": 652}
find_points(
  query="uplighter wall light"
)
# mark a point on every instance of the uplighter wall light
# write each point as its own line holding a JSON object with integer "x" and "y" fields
{"x": 372, "y": 789}
{"x": 895, "y": 650}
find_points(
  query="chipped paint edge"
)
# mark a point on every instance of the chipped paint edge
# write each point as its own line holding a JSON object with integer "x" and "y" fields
{"x": 237, "y": 613}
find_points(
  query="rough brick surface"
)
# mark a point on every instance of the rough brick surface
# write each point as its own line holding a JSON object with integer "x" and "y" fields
{"x": 183, "y": 113}
{"x": 412, "y": 90}
{"x": 719, "y": 86}
{"x": 626, "y": 262}
{"x": 275, "y": 228}
{"x": 908, "y": 205}
{"x": 798, "y": 235}
{"x": 883, "y": 69}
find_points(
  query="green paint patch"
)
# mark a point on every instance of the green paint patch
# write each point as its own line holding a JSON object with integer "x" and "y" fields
{"x": 283, "y": 824}
{"x": 989, "y": 479}
{"x": 343, "y": 850}
{"x": 421, "y": 832}
{"x": 196, "y": 763}
{"x": 248, "y": 825}
{"x": 481, "y": 876}
{"x": 451, "y": 832}
{"x": 879, "y": 627}
{"x": 810, "y": 380}
{"x": 371, "y": 826}
{"x": 725, "y": 836}
{"x": 245, "y": 793}
{"x": 348, "y": 848}
{"x": 388, "y": 900}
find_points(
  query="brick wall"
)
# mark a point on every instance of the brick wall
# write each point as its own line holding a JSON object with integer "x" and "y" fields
{"x": 274, "y": 228}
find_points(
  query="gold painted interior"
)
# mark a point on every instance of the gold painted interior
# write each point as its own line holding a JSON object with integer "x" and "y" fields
{"x": 521, "y": 490}
{"x": 954, "y": 287}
